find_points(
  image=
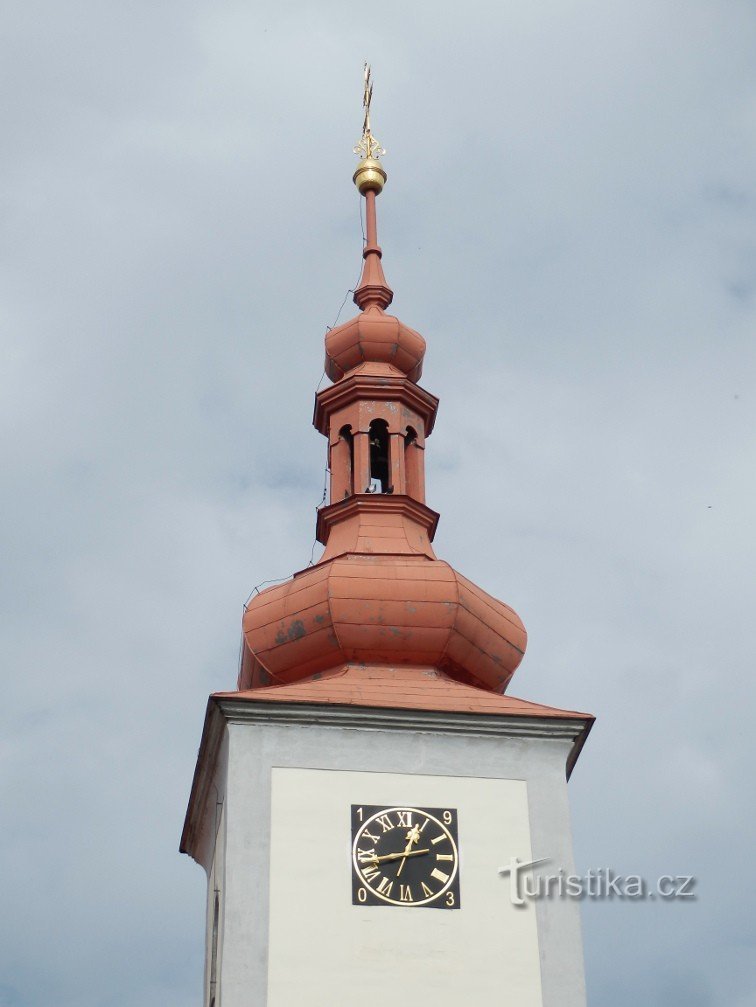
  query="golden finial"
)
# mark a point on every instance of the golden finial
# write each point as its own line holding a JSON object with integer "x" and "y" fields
{"x": 370, "y": 175}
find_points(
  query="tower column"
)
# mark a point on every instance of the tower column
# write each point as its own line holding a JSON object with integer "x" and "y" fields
{"x": 361, "y": 461}
{"x": 396, "y": 463}
{"x": 414, "y": 468}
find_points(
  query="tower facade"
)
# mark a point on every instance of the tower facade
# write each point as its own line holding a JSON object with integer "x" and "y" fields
{"x": 359, "y": 799}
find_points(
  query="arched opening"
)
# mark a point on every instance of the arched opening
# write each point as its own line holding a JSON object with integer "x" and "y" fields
{"x": 346, "y": 460}
{"x": 379, "y": 458}
{"x": 342, "y": 465}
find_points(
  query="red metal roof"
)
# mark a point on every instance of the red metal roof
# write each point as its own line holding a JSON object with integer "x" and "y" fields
{"x": 400, "y": 687}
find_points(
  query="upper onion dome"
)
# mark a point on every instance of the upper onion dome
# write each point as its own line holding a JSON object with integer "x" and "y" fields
{"x": 374, "y": 337}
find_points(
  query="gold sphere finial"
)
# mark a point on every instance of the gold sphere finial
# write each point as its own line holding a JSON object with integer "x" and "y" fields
{"x": 370, "y": 175}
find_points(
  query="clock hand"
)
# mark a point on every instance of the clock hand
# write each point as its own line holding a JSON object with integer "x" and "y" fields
{"x": 413, "y": 836}
{"x": 396, "y": 856}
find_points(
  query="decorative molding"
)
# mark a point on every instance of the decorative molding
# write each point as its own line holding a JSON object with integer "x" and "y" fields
{"x": 417, "y": 721}
{"x": 380, "y": 388}
{"x": 573, "y": 729}
{"x": 381, "y": 503}
{"x": 204, "y": 773}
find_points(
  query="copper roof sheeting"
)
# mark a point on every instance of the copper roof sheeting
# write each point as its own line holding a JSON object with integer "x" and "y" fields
{"x": 376, "y": 337}
{"x": 399, "y": 687}
{"x": 380, "y": 609}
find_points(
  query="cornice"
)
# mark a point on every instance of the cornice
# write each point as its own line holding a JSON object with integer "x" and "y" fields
{"x": 571, "y": 729}
{"x": 375, "y": 503}
{"x": 204, "y": 771}
{"x": 378, "y": 388}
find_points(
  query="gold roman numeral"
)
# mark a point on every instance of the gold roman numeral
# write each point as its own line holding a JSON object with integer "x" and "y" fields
{"x": 365, "y": 856}
{"x": 439, "y": 875}
{"x": 370, "y": 872}
{"x": 385, "y": 822}
{"x": 385, "y": 886}
{"x": 405, "y": 819}
{"x": 370, "y": 836}
{"x": 444, "y": 856}
{"x": 405, "y": 895}
{"x": 439, "y": 839}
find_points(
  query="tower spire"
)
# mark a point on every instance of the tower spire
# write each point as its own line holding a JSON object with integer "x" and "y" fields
{"x": 410, "y": 608}
{"x": 370, "y": 177}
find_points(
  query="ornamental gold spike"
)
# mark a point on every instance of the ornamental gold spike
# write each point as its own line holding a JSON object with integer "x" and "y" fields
{"x": 370, "y": 175}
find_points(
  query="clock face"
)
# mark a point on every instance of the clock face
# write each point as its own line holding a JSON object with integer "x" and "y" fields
{"x": 405, "y": 857}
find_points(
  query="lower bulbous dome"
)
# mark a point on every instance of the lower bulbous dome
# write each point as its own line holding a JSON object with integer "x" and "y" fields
{"x": 374, "y": 337}
{"x": 380, "y": 610}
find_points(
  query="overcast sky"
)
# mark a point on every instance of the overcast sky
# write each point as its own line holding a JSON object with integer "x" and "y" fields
{"x": 569, "y": 221}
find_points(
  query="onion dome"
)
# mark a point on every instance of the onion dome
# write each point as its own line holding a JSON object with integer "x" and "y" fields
{"x": 374, "y": 337}
{"x": 380, "y": 609}
{"x": 378, "y": 596}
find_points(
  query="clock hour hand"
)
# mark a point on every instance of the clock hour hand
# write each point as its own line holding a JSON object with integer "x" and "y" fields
{"x": 413, "y": 836}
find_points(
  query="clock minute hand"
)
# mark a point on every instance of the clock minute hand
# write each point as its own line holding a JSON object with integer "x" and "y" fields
{"x": 396, "y": 856}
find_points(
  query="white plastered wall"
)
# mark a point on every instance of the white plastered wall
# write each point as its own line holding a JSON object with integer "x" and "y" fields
{"x": 324, "y": 950}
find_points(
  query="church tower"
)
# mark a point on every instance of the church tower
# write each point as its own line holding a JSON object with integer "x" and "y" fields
{"x": 360, "y": 799}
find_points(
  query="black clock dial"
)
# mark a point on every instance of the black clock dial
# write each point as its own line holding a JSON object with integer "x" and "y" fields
{"x": 405, "y": 856}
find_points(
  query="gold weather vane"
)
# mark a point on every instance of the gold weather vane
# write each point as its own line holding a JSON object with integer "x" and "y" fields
{"x": 368, "y": 145}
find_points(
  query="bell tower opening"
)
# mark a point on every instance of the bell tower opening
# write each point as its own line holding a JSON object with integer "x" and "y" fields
{"x": 379, "y": 458}
{"x": 342, "y": 465}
